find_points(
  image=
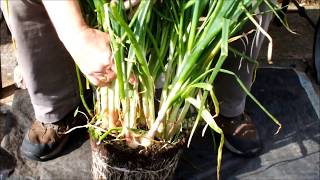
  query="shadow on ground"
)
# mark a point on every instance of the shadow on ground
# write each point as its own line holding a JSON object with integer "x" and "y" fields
{"x": 7, "y": 122}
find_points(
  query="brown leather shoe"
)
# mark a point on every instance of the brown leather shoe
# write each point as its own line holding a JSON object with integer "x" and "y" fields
{"x": 45, "y": 141}
{"x": 241, "y": 136}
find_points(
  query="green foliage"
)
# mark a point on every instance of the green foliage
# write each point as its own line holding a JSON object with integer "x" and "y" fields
{"x": 182, "y": 44}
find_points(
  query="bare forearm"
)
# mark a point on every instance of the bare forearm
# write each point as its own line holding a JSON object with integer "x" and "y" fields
{"x": 66, "y": 18}
{"x": 90, "y": 48}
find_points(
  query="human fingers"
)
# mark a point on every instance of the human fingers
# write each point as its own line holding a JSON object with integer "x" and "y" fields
{"x": 101, "y": 80}
{"x": 133, "y": 80}
{"x": 130, "y": 3}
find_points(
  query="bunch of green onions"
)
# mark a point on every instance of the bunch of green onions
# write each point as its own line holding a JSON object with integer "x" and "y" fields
{"x": 179, "y": 44}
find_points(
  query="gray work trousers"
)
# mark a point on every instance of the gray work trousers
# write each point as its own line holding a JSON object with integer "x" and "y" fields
{"x": 231, "y": 97}
{"x": 49, "y": 71}
{"x": 47, "y": 67}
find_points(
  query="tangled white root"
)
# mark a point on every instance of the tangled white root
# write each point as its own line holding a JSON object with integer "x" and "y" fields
{"x": 160, "y": 170}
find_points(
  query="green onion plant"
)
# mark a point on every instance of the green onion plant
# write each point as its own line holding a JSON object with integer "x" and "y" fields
{"x": 167, "y": 55}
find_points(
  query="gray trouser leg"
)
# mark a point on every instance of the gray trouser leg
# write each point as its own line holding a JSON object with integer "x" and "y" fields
{"x": 230, "y": 95}
{"x": 47, "y": 67}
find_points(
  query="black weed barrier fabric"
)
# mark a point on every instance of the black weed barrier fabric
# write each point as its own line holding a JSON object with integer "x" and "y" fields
{"x": 291, "y": 154}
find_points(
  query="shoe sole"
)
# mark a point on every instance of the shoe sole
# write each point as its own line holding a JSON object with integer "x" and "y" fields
{"x": 234, "y": 150}
{"x": 54, "y": 153}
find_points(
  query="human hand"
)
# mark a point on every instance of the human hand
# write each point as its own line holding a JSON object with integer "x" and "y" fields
{"x": 94, "y": 58}
{"x": 92, "y": 53}
{"x": 130, "y": 3}
{"x": 90, "y": 48}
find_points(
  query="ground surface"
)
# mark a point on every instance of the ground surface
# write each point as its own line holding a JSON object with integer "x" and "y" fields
{"x": 290, "y": 151}
{"x": 291, "y": 154}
